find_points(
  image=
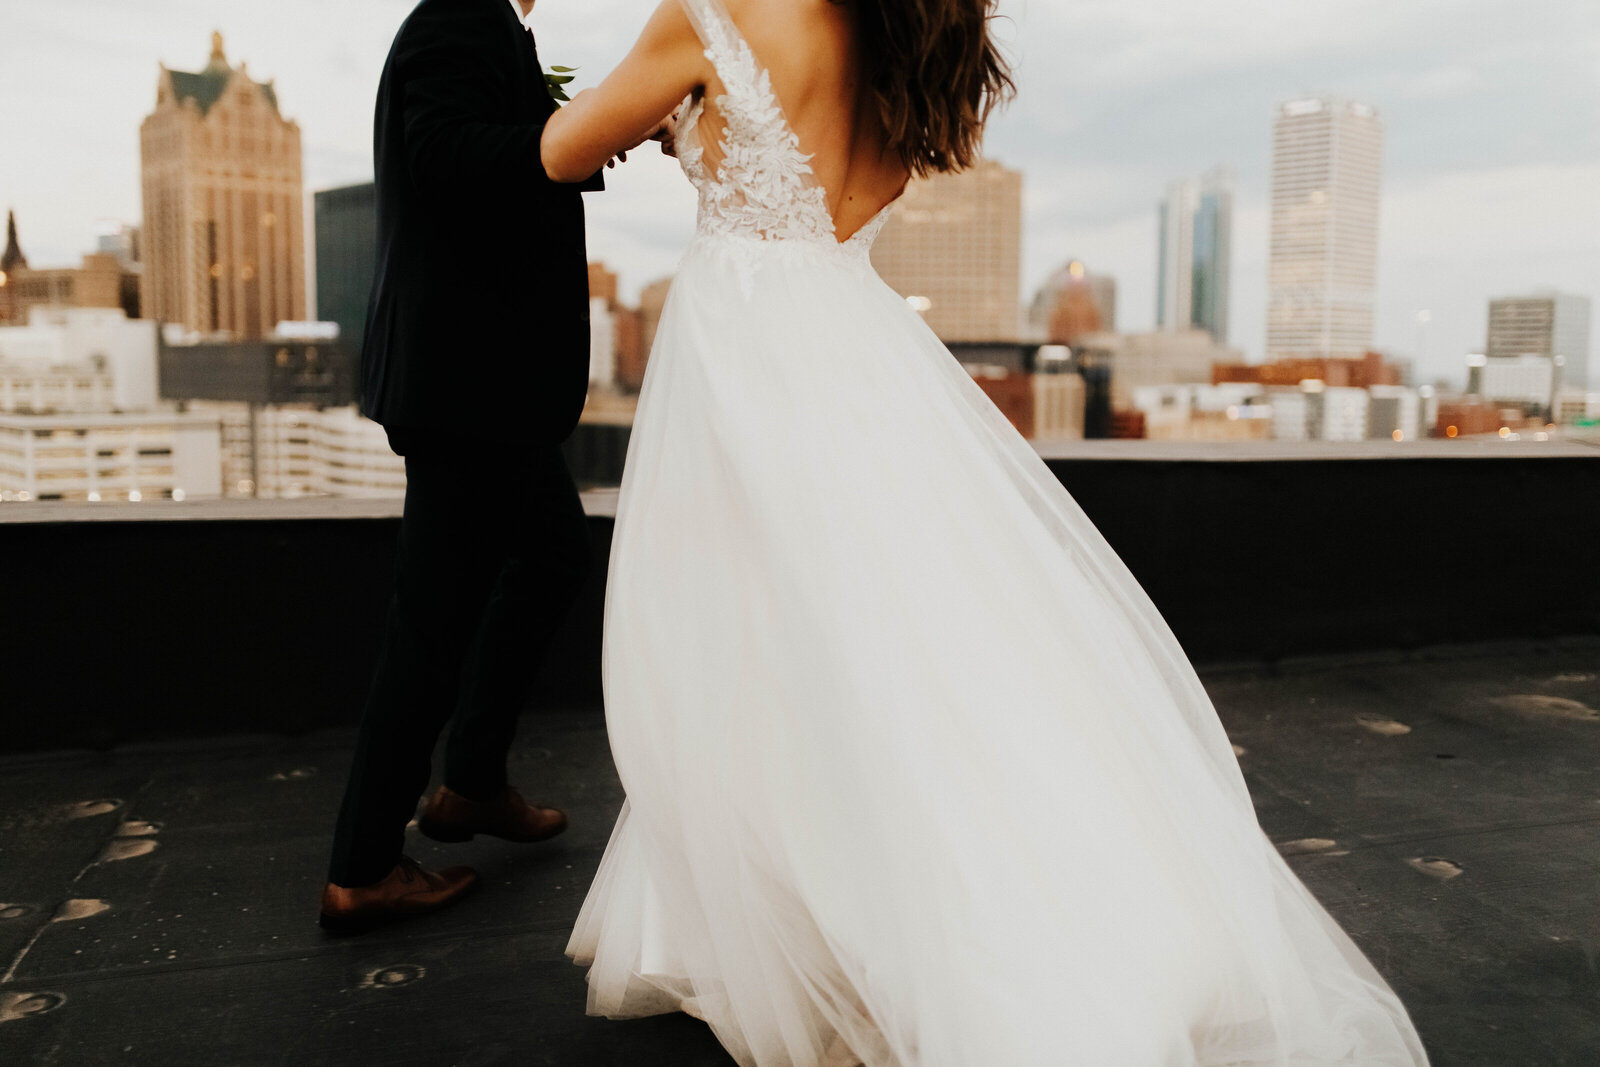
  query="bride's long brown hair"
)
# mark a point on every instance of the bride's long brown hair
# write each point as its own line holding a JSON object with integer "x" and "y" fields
{"x": 935, "y": 75}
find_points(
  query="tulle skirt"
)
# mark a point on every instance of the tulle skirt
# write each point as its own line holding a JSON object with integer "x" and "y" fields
{"x": 916, "y": 772}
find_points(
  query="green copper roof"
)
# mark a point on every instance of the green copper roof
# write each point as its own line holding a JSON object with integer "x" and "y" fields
{"x": 206, "y": 87}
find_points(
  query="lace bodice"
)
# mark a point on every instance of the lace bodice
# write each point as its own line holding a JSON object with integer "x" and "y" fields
{"x": 764, "y": 188}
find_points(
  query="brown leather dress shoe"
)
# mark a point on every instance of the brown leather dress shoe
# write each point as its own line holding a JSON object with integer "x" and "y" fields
{"x": 407, "y": 890}
{"x": 449, "y": 816}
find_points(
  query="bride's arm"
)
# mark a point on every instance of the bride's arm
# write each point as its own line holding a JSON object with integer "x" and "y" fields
{"x": 666, "y": 64}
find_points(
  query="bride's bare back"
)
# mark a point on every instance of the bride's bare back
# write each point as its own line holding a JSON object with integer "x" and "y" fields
{"x": 810, "y": 50}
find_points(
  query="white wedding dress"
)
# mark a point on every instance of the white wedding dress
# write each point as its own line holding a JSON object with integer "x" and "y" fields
{"x": 916, "y": 773}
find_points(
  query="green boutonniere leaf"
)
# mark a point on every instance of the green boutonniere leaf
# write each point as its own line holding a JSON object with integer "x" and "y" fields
{"x": 555, "y": 79}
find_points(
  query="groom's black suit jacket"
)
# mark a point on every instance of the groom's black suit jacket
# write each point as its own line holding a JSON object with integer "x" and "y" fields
{"x": 478, "y": 323}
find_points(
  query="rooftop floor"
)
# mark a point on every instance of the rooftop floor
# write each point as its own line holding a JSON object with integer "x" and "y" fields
{"x": 158, "y": 903}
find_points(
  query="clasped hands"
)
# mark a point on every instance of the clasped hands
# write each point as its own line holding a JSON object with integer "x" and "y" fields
{"x": 665, "y": 134}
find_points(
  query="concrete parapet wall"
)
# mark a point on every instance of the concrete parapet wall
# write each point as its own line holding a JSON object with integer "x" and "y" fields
{"x": 137, "y": 622}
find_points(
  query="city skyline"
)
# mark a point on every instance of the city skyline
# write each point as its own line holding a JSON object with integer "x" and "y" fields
{"x": 1486, "y": 186}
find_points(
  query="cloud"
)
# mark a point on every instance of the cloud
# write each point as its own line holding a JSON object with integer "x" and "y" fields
{"x": 1449, "y": 242}
{"x": 1441, "y": 83}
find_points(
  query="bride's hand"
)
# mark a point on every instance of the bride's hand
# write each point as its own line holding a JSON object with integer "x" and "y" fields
{"x": 666, "y": 65}
{"x": 667, "y": 135}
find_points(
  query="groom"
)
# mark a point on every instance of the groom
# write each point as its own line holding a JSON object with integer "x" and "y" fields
{"x": 476, "y": 362}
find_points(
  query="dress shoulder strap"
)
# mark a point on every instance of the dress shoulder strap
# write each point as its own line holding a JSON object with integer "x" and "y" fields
{"x": 726, "y": 47}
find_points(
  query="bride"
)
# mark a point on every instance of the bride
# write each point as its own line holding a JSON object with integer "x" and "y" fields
{"x": 916, "y": 773}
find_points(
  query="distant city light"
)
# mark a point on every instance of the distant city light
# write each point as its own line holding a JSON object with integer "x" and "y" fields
{"x": 920, "y": 304}
{"x": 94, "y": 498}
{"x": 1505, "y": 431}
{"x": 135, "y": 496}
{"x": 178, "y": 495}
{"x": 1399, "y": 435}
{"x": 1451, "y": 431}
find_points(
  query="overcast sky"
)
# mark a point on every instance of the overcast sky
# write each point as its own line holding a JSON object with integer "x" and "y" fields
{"x": 1492, "y": 113}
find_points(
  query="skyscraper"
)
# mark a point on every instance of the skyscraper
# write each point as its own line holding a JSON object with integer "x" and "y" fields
{"x": 1322, "y": 268}
{"x": 1545, "y": 324}
{"x": 953, "y": 248}
{"x": 223, "y": 229}
{"x": 345, "y": 222}
{"x": 1196, "y": 249}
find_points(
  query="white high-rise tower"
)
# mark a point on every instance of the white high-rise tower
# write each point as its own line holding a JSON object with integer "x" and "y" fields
{"x": 1322, "y": 270}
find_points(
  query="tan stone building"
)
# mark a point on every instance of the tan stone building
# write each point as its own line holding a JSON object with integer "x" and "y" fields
{"x": 96, "y": 284}
{"x": 103, "y": 281}
{"x": 223, "y": 228}
{"x": 953, "y": 248}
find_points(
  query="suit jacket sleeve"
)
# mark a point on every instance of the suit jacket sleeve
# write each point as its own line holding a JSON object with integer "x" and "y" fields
{"x": 454, "y": 88}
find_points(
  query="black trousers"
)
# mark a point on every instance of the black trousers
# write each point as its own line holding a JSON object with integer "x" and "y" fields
{"x": 494, "y": 547}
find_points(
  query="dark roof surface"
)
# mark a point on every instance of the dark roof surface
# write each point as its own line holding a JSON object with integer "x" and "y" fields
{"x": 1442, "y": 806}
